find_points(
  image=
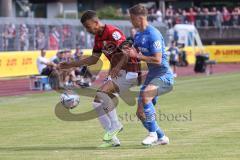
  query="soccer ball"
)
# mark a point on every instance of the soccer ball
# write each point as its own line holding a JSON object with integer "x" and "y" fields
{"x": 70, "y": 100}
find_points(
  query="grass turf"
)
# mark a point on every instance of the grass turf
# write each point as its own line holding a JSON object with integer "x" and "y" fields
{"x": 206, "y": 125}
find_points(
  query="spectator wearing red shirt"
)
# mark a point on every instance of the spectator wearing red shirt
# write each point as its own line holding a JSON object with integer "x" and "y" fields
{"x": 54, "y": 39}
{"x": 226, "y": 16}
{"x": 191, "y": 16}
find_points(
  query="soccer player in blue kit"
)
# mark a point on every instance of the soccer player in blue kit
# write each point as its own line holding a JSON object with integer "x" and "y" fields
{"x": 149, "y": 47}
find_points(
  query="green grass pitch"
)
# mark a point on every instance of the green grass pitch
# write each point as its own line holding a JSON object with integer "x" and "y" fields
{"x": 207, "y": 126}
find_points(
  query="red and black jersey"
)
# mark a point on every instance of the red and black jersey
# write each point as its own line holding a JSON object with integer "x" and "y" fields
{"x": 108, "y": 43}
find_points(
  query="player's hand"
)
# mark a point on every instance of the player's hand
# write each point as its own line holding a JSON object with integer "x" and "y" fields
{"x": 140, "y": 113}
{"x": 65, "y": 65}
{"x": 114, "y": 72}
{"x": 130, "y": 51}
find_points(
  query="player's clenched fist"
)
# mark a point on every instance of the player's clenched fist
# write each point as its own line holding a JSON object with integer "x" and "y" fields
{"x": 131, "y": 52}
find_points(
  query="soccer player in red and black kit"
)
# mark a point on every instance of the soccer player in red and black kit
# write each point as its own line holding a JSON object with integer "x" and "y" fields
{"x": 122, "y": 75}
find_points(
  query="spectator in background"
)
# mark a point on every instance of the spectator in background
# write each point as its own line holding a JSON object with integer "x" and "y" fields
{"x": 212, "y": 16}
{"x": 70, "y": 77}
{"x": 40, "y": 40}
{"x": 59, "y": 57}
{"x": 24, "y": 37}
{"x": 133, "y": 31}
{"x": 83, "y": 74}
{"x": 218, "y": 20}
{"x": 199, "y": 17}
{"x": 184, "y": 13}
{"x": 62, "y": 77}
{"x": 226, "y": 16}
{"x": 78, "y": 54}
{"x": 45, "y": 67}
{"x": 169, "y": 16}
{"x": 68, "y": 55}
{"x": 181, "y": 18}
{"x": 235, "y": 16}
{"x": 54, "y": 39}
{"x": 159, "y": 16}
{"x": 191, "y": 16}
{"x": 173, "y": 57}
{"x": 182, "y": 56}
{"x": 10, "y": 37}
{"x": 177, "y": 19}
{"x": 66, "y": 36}
{"x": 169, "y": 11}
{"x": 151, "y": 15}
{"x": 81, "y": 39}
{"x": 205, "y": 17}
{"x": 90, "y": 40}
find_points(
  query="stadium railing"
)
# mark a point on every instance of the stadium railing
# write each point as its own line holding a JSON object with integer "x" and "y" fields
{"x": 21, "y": 34}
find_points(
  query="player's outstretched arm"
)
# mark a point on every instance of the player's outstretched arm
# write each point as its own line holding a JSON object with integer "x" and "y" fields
{"x": 155, "y": 58}
{"x": 83, "y": 62}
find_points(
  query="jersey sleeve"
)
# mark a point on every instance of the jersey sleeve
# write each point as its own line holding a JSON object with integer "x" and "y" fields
{"x": 156, "y": 43}
{"x": 117, "y": 36}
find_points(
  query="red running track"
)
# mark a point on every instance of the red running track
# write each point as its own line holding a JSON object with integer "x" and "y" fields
{"x": 20, "y": 86}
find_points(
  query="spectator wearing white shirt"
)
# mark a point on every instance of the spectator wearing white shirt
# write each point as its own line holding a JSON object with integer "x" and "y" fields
{"x": 159, "y": 16}
{"x": 45, "y": 67}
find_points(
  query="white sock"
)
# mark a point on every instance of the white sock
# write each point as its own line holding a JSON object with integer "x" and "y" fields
{"x": 115, "y": 140}
{"x": 103, "y": 117}
{"x": 110, "y": 108}
{"x": 115, "y": 123}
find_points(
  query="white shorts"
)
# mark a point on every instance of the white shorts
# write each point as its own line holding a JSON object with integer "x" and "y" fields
{"x": 125, "y": 81}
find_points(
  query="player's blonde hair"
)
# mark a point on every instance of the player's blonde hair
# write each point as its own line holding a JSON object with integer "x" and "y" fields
{"x": 138, "y": 10}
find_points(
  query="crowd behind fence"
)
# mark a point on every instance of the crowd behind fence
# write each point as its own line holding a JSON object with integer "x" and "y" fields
{"x": 22, "y": 34}
{"x": 199, "y": 16}
{"x": 27, "y": 36}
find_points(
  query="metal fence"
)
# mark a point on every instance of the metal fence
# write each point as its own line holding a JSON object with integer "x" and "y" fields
{"x": 204, "y": 20}
{"x": 19, "y": 34}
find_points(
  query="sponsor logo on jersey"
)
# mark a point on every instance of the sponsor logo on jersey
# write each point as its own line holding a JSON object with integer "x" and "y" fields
{"x": 157, "y": 44}
{"x": 116, "y": 35}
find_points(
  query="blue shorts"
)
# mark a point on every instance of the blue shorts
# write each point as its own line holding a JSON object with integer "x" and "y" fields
{"x": 163, "y": 86}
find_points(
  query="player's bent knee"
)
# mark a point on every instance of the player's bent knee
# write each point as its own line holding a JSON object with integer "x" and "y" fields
{"x": 145, "y": 98}
{"x": 106, "y": 100}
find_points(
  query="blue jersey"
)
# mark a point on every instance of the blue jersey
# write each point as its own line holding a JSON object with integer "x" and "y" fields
{"x": 150, "y": 42}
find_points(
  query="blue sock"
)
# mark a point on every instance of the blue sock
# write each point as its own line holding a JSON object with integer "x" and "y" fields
{"x": 159, "y": 131}
{"x": 150, "y": 122}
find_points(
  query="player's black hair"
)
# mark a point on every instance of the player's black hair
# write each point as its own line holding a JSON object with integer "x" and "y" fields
{"x": 89, "y": 14}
